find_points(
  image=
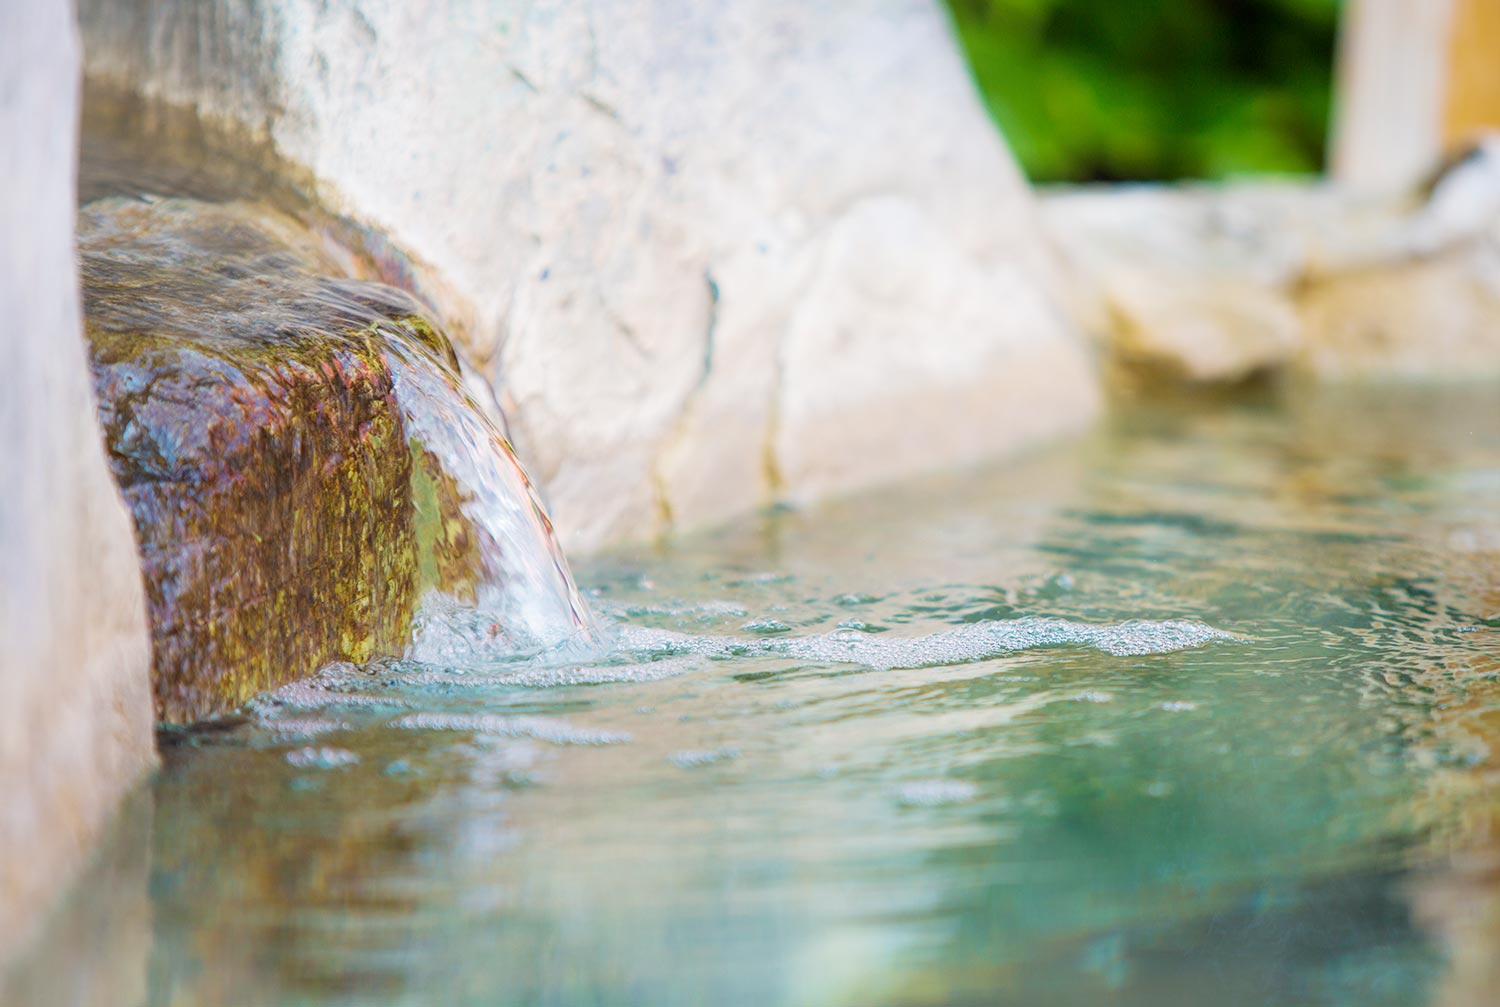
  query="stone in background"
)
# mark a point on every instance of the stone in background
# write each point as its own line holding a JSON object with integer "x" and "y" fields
{"x": 712, "y": 254}
{"x": 75, "y": 697}
{"x": 1219, "y": 282}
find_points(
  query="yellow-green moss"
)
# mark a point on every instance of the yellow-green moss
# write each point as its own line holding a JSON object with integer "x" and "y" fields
{"x": 251, "y": 418}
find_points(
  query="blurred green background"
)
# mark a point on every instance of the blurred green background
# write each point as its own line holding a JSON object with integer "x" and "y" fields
{"x": 1113, "y": 90}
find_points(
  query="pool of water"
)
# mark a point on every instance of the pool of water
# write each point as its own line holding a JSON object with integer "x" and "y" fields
{"x": 1200, "y": 709}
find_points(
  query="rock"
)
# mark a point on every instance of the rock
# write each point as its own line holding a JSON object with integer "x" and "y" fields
{"x": 648, "y": 221}
{"x": 1210, "y": 283}
{"x": 1195, "y": 280}
{"x": 255, "y": 434}
{"x": 860, "y": 359}
{"x": 295, "y": 448}
{"x": 1434, "y": 318}
{"x": 75, "y": 704}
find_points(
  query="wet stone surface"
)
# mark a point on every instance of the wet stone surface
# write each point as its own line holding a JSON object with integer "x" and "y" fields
{"x": 1202, "y": 710}
{"x": 286, "y": 512}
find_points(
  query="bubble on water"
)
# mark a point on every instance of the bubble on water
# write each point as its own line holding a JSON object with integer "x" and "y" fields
{"x": 703, "y": 612}
{"x": 1094, "y": 696}
{"x": 764, "y": 577}
{"x": 1177, "y": 706}
{"x": 976, "y": 641}
{"x": 933, "y": 793}
{"x": 766, "y": 626}
{"x": 599, "y": 674}
{"x": 445, "y": 632}
{"x": 406, "y": 673}
{"x": 314, "y": 757}
{"x": 693, "y": 758}
{"x": 718, "y": 608}
{"x": 319, "y": 692}
{"x": 643, "y": 654}
{"x": 292, "y": 728}
{"x": 449, "y": 632}
{"x": 557, "y": 732}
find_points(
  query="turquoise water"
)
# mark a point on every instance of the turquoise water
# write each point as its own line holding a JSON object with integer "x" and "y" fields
{"x": 1198, "y": 710}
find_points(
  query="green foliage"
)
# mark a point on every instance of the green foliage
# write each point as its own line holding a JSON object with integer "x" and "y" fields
{"x": 1150, "y": 89}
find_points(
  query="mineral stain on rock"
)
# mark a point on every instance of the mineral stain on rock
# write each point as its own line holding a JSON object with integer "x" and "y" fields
{"x": 268, "y": 422}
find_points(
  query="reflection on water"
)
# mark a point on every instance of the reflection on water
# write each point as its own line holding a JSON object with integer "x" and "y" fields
{"x": 1203, "y": 708}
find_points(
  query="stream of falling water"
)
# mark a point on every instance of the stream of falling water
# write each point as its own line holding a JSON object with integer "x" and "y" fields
{"x": 527, "y": 602}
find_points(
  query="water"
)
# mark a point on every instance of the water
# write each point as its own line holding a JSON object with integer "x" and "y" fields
{"x": 523, "y": 582}
{"x": 1199, "y": 710}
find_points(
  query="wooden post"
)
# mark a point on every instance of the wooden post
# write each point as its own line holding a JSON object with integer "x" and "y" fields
{"x": 1392, "y": 63}
{"x": 1417, "y": 79}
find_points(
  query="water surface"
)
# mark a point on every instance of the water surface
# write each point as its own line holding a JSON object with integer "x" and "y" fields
{"x": 1198, "y": 710}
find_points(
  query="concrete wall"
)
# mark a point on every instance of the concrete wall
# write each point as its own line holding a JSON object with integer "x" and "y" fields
{"x": 712, "y": 254}
{"x": 75, "y": 702}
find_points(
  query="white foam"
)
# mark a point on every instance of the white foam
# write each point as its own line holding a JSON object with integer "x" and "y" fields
{"x": 291, "y": 728}
{"x": 408, "y": 673}
{"x": 693, "y": 758}
{"x": 934, "y": 793}
{"x": 1177, "y": 705}
{"x": 319, "y": 692}
{"x": 321, "y": 758}
{"x": 643, "y": 655}
{"x": 557, "y": 732}
{"x": 976, "y": 641}
{"x": 703, "y": 612}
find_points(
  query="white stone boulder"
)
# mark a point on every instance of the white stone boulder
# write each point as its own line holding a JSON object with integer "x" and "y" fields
{"x": 712, "y": 254}
{"x": 1217, "y": 282}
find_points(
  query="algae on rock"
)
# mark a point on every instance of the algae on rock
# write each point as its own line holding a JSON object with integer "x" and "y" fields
{"x": 288, "y": 512}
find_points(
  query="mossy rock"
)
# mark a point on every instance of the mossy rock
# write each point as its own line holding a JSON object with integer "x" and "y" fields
{"x": 250, "y": 411}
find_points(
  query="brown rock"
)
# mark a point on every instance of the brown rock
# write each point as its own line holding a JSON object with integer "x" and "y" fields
{"x": 249, "y": 404}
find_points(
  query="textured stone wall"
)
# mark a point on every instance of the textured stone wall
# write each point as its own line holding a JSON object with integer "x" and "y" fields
{"x": 712, "y": 254}
{"x": 1221, "y": 282}
{"x": 75, "y": 700}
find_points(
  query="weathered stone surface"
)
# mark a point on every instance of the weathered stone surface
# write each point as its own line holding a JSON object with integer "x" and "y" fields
{"x": 1215, "y": 283}
{"x": 75, "y": 706}
{"x": 1435, "y": 318}
{"x": 289, "y": 511}
{"x": 695, "y": 244}
{"x": 1193, "y": 280}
